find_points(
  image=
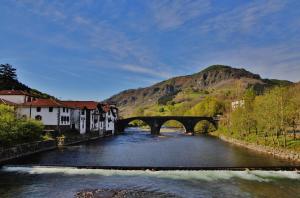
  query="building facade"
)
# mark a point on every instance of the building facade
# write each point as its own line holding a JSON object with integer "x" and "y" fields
{"x": 56, "y": 115}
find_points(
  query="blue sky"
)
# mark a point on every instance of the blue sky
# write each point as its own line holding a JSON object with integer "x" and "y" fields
{"x": 93, "y": 49}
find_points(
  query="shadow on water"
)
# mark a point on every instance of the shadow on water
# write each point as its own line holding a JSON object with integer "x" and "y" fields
{"x": 138, "y": 148}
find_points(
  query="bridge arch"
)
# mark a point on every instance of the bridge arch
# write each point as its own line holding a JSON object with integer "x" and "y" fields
{"x": 173, "y": 123}
{"x": 204, "y": 126}
{"x": 137, "y": 123}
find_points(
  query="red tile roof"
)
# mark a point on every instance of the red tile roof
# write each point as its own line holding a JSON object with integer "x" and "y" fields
{"x": 44, "y": 103}
{"x": 14, "y": 92}
{"x": 81, "y": 104}
{"x": 2, "y": 101}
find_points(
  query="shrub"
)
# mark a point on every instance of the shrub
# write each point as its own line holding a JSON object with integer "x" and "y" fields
{"x": 16, "y": 131}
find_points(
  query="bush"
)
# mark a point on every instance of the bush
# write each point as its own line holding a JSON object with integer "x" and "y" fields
{"x": 204, "y": 127}
{"x": 16, "y": 131}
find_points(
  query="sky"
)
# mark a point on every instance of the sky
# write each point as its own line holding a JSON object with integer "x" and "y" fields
{"x": 93, "y": 49}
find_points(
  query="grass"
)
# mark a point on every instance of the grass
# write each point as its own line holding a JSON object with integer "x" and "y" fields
{"x": 260, "y": 139}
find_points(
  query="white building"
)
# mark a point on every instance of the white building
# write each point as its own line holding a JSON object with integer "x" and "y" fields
{"x": 93, "y": 116}
{"x": 84, "y": 116}
{"x": 16, "y": 96}
{"x": 236, "y": 104}
{"x": 108, "y": 114}
{"x": 53, "y": 114}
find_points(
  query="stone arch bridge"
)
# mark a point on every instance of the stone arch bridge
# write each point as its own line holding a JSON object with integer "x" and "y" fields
{"x": 156, "y": 122}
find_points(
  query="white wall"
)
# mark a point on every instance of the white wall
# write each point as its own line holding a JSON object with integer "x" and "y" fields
{"x": 82, "y": 122}
{"x": 67, "y": 113}
{"x": 75, "y": 118}
{"x": 14, "y": 98}
{"x": 110, "y": 126}
{"x": 48, "y": 118}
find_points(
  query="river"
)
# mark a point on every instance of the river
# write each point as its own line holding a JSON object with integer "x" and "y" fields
{"x": 33, "y": 177}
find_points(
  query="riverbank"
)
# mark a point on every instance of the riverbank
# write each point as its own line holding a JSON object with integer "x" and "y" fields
{"x": 276, "y": 152}
{"x": 119, "y": 193}
{"x": 27, "y": 149}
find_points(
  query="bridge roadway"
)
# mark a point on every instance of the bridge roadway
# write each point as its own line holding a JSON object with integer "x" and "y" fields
{"x": 156, "y": 122}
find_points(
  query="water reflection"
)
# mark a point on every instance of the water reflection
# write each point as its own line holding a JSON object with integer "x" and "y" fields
{"x": 139, "y": 148}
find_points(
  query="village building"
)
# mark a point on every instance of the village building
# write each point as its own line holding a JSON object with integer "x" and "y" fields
{"x": 108, "y": 115}
{"x": 236, "y": 104}
{"x": 6, "y": 102}
{"x": 93, "y": 116}
{"x": 53, "y": 114}
{"x": 83, "y": 115}
{"x": 16, "y": 96}
{"x": 56, "y": 115}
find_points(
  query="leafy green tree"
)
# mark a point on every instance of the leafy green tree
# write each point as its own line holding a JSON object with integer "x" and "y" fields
{"x": 210, "y": 106}
{"x": 15, "y": 130}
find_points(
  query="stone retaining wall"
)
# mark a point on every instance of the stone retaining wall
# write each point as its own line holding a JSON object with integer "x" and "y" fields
{"x": 26, "y": 149}
{"x": 277, "y": 152}
{"x": 36, "y": 147}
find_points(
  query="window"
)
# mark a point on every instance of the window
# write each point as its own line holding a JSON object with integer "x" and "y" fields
{"x": 82, "y": 112}
{"x": 38, "y": 117}
{"x": 62, "y": 118}
{"x": 67, "y": 110}
{"x": 67, "y": 119}
{"x": 50, "y": 109}
{"x": 29, "y": 99}
{"x": 64, "y": 109}
{"x": 38, "y": 109}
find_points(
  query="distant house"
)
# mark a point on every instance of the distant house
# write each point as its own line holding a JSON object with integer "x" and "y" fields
{"x": 53, "y": 114}
{"x": 6, "y": 102}
{"x": 236, "y": 104}
{"x": 84, "y": 116}
{"x": 108, "y": 116}
{"x": 93, "y": 116}
{"x": 16, "y": 96}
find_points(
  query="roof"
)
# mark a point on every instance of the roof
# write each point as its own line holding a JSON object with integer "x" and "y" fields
{"x": 14, "y": 92}
{"x": 43, "y": 103}
{"x": 2, "y": 101}
{"x": 81, "y": 104}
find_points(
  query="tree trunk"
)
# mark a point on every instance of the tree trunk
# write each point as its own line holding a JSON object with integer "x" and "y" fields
{"x": 284, "y": 138}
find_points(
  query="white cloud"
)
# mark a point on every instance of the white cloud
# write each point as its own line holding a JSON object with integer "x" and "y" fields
{"x": 170, "y": 14}
{"x": 145, "y": 70}
{"x": 242, "y": 18}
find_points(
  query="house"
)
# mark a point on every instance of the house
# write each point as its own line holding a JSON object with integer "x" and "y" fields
{"x": 56, "y": 115}
{"x": 83, "y": 115}
{"x": 53, "y": 114}
{"x": 93, "y": 116}
{"x": 236, "y": 104}
{"x": 6, "y": 102}
{"x": 16, "y": 96}
{"x": 108, "y": 115}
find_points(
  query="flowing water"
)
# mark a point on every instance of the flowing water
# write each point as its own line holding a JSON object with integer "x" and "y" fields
{"x": 32, "y": 176}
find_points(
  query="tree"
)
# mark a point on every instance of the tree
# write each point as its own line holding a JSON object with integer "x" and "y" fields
{"x": 14, "y": 130}
{"x": 7, "y": 73}
{"x": 210, "y": 106}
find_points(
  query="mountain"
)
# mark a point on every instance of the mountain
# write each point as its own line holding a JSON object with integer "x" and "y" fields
{"x": 217, "y": 80}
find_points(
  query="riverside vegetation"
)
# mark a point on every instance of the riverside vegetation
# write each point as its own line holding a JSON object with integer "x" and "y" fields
{"x": 14, "y": 130}
{"x": 271, "y": 118}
